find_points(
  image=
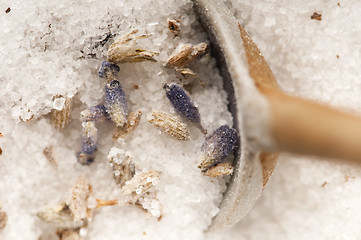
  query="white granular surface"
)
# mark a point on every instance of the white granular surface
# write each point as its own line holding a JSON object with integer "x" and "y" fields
{"x": 55, "y": 49}
{"x": 52, "y": 49}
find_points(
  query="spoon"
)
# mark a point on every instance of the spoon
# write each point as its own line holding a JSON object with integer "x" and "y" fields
{"x": 269, "y": 121}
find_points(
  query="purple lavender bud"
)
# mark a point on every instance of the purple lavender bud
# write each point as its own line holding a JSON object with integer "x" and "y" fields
{"x": 89, "y": 139}
{"x": 96, "y": 113}
{"x": 115, "y": 103}
{"x": 108, "y": 70}
{"x": 217, "y": 146}
{"x": 183, "y": 104}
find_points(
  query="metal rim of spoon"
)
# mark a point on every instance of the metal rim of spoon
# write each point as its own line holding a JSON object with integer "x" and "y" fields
{"x": 269, "y": 121}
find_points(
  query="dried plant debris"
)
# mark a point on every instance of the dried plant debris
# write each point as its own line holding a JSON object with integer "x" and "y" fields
{"x": 61, "y": 112}
{"x": 60, "y": 216}
{"x": 74, "y": 212}
{"x": 151, "y": 204}
{"x": 68, "y": 234}
{"x": 183, "y": 104}
{"x": 140, "y": 184}
{"x": 316, "y": 16}
{"x": 115, "y": 103}
{"x": 170, "y": 124}
{"x": 186, "y": 54}
{"x": 189, "y": 78}
{"x": 96, "y": 113}
{"x": 3, "y": 219}
{"x": 49, "y": 155}
{"x": 125, "y": 49}
{"x": 217, "y": 146}
{"x": 122, "y": 166}
{"x": 78, "y": 198}
{"x": 220, "y": 170}
{"x": 89, "y": 139}
{"x": 132, "y": 123}
{"x": 108, "y": 71}
{"x": 174, "y": 26}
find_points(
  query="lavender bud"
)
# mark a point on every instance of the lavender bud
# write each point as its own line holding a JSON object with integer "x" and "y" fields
{"x": 88, "y": 143}
{"x": 217, "y": 146}
{"x": 108, "y": 70}
{"x": 183, "y": 104}
{"x": 96, "y": 113}
{"x": 115, "y": 103}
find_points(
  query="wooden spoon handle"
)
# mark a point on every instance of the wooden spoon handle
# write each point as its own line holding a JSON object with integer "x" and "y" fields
{"x": 303, "y": 126}
{"x": 306, "y": 127}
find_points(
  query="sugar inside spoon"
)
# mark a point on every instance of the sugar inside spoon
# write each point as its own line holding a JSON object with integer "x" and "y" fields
{"x": 268, "y": 119}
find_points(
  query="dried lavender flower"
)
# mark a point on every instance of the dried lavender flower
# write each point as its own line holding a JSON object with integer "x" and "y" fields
{"x": 174, "y": 26}
{"x": 108, "y": 70}
{"x": 60, "y": 117}
{"x": 68, "y": 234}
{"x": 89, "y": 139}
{"x": 132, "y": 123}
{"x": 170, "y": 124}
{"x": 74, "y": 212}
{"x": 189, "y": 77}
{"x": 125, "y": 49}
{"x": 140, "y": 184}
{"x": 220, "y": 170}
{"x": 96, "y": 113}
{"x": 183, "y": 104}
{"x": 122, "y": 166}
{"x": 60, "y": 216}
{"x": 77, "y": 201}
{"x": 186, "y": 54}
{"x": 115, "y": 103}
{"x": 217, "y": 146}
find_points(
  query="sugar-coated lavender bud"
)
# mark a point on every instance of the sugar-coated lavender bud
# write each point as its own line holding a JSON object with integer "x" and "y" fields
{"x": 115, "y": 103}
{"x": 183, "y": 104}
{"x": 88, "y": 143}
{"x": 217, "y": 146}
{"x": 108, "y": 70}
{"x": 96, "y": 113}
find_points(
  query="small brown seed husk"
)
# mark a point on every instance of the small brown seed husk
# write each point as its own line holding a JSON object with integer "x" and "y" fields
{"x": 170, "y": 124}
{"x": 220, "y": 170}
{"x": 186, "y": 54}
{"x": 60, "y": 118}
{"x": 174, "y": 26}
{"x": 125, "y": 49}
{"x": 122, "y": 166}
{"x": 132, "y": 123}
{"x": 140, "y": 184}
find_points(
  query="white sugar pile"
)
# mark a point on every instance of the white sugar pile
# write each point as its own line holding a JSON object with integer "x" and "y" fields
{"x": 52, "y": 51}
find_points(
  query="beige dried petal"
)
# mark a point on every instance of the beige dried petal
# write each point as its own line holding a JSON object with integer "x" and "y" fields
{"x": 150, "y": 203}
{"x": 189, "y": 77}
{"x": 122, "y": 166}
{"x": 140, "y": 184}
{"x": 48, "y": 153}
{"x": 78, "y": 198}
{"x": 129, "y": 127}
{"x": 3, "y": 219}
{"x": 186, "y": 54}
{"x": 125, "y": 49}
{"x": 220, "y": 170}
{"x": 170, "y": 124}
{"x": 60, "y": 118}
{"x": 60, "y": 216}
{"x": 68, "y": 234}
